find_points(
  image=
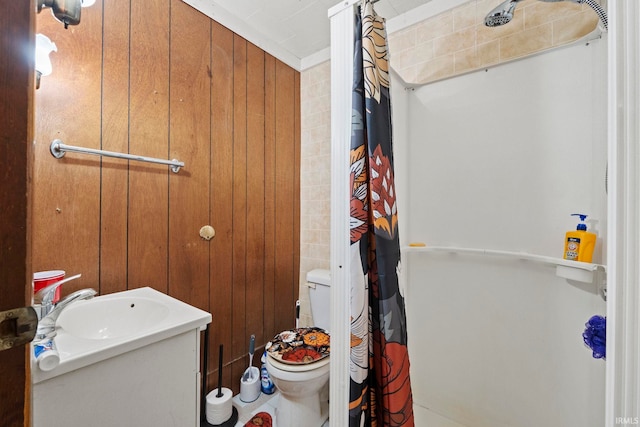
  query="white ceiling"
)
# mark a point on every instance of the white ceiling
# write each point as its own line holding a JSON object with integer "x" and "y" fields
{"x": 301, "y": 26}
{"x": 293, "y": 30}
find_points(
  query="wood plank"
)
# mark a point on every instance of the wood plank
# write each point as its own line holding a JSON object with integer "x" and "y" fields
{"x": 221, "y": 301}
{"x": 285, "y": 210}
{"x": 190, "y": 135}
{"x": 115, "y": 137}
{"x": 255, "y": 194}
{"x": 148, "y": 136}
{"x": 240, "y": 338}
{"x": 270, "y": 304}
{"x": 16, "y": 135}
{"x": 66, "y": 192}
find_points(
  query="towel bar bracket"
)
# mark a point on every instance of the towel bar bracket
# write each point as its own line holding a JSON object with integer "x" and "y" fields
{"x": 55, "y": 150}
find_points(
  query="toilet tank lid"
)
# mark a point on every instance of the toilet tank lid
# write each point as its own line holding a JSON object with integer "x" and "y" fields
{"x": 319, "y": 276}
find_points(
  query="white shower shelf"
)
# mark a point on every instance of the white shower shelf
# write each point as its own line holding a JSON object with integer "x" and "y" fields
{"x": 573, "y": 270}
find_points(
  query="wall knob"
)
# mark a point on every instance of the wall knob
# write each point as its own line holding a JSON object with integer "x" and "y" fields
{"x": 207, "y": 232}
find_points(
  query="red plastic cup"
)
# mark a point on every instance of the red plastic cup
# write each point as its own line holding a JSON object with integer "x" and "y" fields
{"x": 42, "y": 279}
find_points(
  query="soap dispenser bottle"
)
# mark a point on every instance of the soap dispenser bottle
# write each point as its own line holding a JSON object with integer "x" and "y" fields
{"x": 579, "y": 244}
{"x": 266, "y": 384}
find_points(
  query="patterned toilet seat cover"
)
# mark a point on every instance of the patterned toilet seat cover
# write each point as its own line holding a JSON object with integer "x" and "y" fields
{"x": 300, "y": 346}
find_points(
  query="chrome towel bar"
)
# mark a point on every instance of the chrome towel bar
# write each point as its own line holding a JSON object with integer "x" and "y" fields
{"x": 58, "y": 149}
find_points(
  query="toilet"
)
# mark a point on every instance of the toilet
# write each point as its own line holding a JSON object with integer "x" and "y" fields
{"x": 298, "y": 362}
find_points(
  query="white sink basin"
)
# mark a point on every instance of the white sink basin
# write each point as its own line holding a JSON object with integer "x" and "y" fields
{"x": 106, "y": 326}
{"x": 102, "y": 318}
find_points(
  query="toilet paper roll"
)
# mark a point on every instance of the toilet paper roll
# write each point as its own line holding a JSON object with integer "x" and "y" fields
{"x": 219, "y": 409}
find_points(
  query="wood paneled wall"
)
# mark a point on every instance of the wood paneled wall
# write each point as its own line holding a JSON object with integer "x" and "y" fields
{"x": 159, "y": 79}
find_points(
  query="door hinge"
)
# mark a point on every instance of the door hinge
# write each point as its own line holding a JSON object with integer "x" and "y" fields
{"x": 17, "y": 327}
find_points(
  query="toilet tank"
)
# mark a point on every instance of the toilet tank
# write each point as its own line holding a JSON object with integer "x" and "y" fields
{"x": 319, "y": 282}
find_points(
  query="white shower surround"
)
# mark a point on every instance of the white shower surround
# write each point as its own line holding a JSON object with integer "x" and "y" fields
{"x": 499, "y": 159}
{"x": 623, "y": 232}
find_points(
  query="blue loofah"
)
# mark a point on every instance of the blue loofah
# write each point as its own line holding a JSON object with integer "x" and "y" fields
{"x": 595, "y": 336}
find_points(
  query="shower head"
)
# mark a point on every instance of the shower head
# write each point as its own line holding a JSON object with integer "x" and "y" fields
{"x": 502, "y": 14}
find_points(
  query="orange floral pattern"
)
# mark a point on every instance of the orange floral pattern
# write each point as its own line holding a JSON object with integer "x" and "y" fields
{"x": 383, "y": 194}
{"x": 301, "y": 355}
{"x": 260, "y": 419}
{"x": 358, "y": 222}
{"x": 316, "y": 339}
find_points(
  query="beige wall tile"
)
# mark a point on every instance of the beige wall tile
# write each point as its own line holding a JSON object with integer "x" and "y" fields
{"x": 526, "y": 42}
{"x": 311, "y": 192}
{"x": 411, "y": 73}
{"x": 403, "y": 40}
{"x": 572, "y": 28}
{"x": 488, "y": 53}
{"x": 434, "y": 27}
{"x": 307, "y": 264}
{"x": 313, "y": 149}
{"x": 319, "y": 133}
{"x": 407, "y": 58}
{"x": 466, "y": 60}
{"x": 540, "y": 13}
{"x": 315, "y": 183}
{"x": 316, "y": 236}
{"x": 315, "y": 251}
{"x": 322, "y": 170}
{"x": 408, "y": 74}
{"x": 316, "y": 90}
{"x": 450, "y": 43}
{"x": 464, "y": 16}
{"x": 322, "y": 103}
{"x": 435, "y": 69}
{"x": 314, "y": 119}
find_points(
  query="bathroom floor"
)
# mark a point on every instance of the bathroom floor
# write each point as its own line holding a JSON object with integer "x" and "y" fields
{"x": 265, "y": 403}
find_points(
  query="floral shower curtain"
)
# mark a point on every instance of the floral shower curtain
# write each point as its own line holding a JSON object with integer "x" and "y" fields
{"x": 380, "y": 389}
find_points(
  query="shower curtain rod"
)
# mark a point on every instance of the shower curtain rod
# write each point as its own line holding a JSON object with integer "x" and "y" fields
{"x": 58, "y": 149}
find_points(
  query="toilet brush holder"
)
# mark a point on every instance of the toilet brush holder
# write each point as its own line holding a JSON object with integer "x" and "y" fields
{"x": 250, "y": 385}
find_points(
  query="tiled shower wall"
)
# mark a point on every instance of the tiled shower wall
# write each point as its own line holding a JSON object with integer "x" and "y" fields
{"x": 315, "y": 178}
{"x": 457, "y": 41}
{"x": 452, "y": 43}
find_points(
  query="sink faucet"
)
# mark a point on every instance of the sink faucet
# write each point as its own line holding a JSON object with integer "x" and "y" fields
{"x": 47, "y": 325}
{"x": 43, "y": 299}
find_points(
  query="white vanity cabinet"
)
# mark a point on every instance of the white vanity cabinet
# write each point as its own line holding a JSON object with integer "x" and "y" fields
{"x": 153, "y": 380}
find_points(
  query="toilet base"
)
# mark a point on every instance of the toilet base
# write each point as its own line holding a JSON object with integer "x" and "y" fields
{"x": 313, "y": 409}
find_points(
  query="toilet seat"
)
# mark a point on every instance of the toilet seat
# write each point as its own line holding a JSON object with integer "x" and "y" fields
{"x": 298, "y": 367}
{"x": 305, "y": 375}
